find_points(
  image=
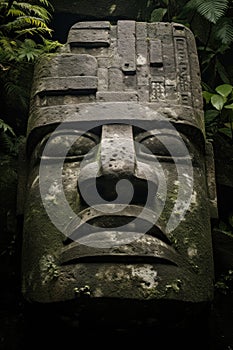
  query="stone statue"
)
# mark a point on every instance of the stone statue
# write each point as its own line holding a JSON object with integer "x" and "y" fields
{"x": 120, "y": 187}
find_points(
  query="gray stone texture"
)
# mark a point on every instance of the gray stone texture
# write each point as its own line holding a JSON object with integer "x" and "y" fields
{"x": 153, "y": 63}
{"x": 138, "y": 75}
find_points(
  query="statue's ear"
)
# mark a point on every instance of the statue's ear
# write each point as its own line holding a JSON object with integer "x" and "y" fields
{"x": 22, "y": 177}
{"x": 211, "y": 180}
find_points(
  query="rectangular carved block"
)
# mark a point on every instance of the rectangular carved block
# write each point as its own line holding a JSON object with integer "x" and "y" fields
{"x": 126, "y": 46}
{"x": 90, "y": 34}
{"x": 117, "y": 96}
{"x": 156, "y": 58}
{"x": 64, "y": 85}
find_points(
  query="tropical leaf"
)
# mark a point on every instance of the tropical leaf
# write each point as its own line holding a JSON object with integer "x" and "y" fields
{"x": 224, "y": 30}
{"x": 212, "y": 10}
{"x": 6, "y": 144}
{"x": 46, "y": 3}
{"x": 158, "y": 14}
{"x": 5, "y": 127}
{"x": 32, "y": 31}
{"x": 211, "y": 115}
{"x": 49, "y": 45}
{"x": 25, "y": 21}
{"x": 28, "y": 50}
{"x": 24, "y": 34}
{"x": 230, "y": 106}
{"x": 15, "y": 12}
{"x": 226, "y": 131}
{"x": 34, "y": 10}
{"x": 29, "y": 20}
{"x": 207, "y": 96}
{"x": 224, "y": 89}
{"x": 218, "y": 101}
{"x": 8, "y": 49}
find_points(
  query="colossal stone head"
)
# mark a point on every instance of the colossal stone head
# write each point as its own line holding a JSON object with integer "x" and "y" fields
{"x": 120, "y": 188}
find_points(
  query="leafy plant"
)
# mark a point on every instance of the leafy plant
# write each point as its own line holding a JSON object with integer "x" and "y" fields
{"x": 7, "y": 137}
{"x": 212, "y": 10}
{"x": 5, "y": 127}
{"x": 167, "y": 10}
{"x": 221, "y": 117}
{"x": 24, "y": 35}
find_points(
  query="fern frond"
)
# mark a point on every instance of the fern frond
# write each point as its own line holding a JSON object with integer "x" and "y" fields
{"x": 15, "y": 12}
{"x": 5, "y": 127}
{"x": 47, "y": 4}
{"x": 224, "y": 30}
{"x": 34, "y": 10}
{"x": 3, "y": 4}
{"x": 16, "y": 92}
{"x": 6, "y": 143}
{"x": 212, "y": 10}
{"x": 41, "y": 12}
{"x": 28, "y": 50}
{"x": 25, "y": 21}
{"x": 32, "y": 31}
{"x": 7, "y": 43}
{"x": 49, "y": 45}
{"x": 8, "y": 49}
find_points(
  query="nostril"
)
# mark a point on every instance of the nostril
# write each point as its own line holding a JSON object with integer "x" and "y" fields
{"x": 107, "y": 191}
{"x": 132, "y": 187}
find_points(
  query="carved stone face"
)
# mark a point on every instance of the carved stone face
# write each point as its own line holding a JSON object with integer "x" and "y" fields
{"x": 119, "y": 197}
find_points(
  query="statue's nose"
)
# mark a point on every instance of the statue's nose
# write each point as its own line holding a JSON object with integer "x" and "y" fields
{"x": 117, "y": 152}
{"x": 115, "y": 175}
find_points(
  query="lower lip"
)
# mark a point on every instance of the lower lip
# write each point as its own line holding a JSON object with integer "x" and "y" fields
{"x": 113, "y": 247}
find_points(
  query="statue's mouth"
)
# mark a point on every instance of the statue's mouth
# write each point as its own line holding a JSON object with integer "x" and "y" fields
{"x": 121, "y": 235}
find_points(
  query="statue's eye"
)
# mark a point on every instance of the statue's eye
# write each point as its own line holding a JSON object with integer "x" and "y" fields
{"x": 68, "y": 146}
{"x": 163, "y": 145}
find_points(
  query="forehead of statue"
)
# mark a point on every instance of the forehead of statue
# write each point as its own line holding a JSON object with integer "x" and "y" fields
{"x": 144, "y": 116}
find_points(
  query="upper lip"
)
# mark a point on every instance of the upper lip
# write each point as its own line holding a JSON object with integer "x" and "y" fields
{"x": 131, "y": 247}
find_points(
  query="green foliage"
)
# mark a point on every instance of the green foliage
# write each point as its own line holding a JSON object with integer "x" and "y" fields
{"x": 158, "y": 14}
{"x": 7, "y": 138}
{"x": 219, "y": 119}
{"x": 17, "y": 16}
{"x": 24, "y": 36}
{"x": 223, "y": 31}
{"x": 212, "y": 10}
{"x": 166, "y": 11}
{"x": 24, "y": 30}
{"x": 5, "y": 127}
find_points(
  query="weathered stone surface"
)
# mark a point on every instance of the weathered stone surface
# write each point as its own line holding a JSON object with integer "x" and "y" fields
{"x": 126, "y": 46}
{"x": 66, "y": 85}
{"x": 113, "y": 156}
{"x": 116, "y": 96}
{"x": 92, "y": 34}
{"x": 152, "y": 59}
